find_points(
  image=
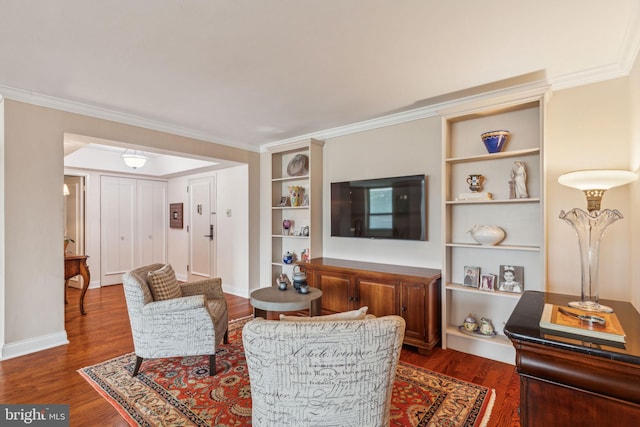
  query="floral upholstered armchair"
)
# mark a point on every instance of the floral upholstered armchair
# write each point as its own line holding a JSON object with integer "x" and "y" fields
{"x": 169, "y": 319}
{"x": 322, "y": 372}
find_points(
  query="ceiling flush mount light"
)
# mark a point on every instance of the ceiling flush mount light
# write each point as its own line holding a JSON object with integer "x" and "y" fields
{"x": 134, "y": 158}
{"x": 590, "y": 226}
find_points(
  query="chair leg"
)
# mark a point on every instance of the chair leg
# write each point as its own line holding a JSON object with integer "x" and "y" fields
{"x": 137, "y": 367}
{"x": 226, "y": 337}
{"x": 212, "y": 365}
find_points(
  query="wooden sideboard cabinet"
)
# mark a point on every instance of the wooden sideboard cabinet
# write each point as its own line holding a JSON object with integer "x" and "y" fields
{"x": 566, "y": 380}
{"x": 410, "y": 292}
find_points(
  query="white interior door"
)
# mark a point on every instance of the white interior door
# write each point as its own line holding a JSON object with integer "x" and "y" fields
{"x": 117, "y": 213}
{"x": 202, "y": 232}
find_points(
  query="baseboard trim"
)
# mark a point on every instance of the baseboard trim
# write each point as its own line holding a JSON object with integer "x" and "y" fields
{"x": 235, "y": 291}
{"x": 32, "y": 345}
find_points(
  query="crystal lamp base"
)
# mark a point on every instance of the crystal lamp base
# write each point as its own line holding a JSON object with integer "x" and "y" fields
{"x": 591, "y": 306}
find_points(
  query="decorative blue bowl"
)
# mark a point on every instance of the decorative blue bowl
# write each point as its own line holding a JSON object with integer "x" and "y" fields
{"x": 495, "y": 140}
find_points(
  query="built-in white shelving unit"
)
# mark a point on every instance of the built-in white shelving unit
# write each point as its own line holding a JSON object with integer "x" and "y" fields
{"x": 308, "y": 215}
{"x": 522, "y": 219}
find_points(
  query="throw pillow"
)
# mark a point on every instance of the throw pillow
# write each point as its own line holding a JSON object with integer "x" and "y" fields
{"x": 163, "y": 284}
{"x": 358, "y": 314}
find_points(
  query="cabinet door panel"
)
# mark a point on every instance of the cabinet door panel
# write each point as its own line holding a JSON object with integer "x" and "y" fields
{"x": 381, "y": 297}
{"x": 335, "y": 289}
{"x": 413, "y": 309}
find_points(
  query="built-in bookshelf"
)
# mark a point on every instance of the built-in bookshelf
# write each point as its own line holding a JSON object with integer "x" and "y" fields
{"x": 305, "y": 233}
{"x": 522, "y": 219}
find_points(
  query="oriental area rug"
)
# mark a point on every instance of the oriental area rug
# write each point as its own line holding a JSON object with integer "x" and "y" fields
{"x": 179, "y": 391}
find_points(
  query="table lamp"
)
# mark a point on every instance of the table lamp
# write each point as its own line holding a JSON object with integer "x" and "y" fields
{"x": 590, "y": 226}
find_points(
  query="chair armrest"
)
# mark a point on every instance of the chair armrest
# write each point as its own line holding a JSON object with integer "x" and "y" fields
{"x": 212, "y": 288}
{"x": 174, "y": 305}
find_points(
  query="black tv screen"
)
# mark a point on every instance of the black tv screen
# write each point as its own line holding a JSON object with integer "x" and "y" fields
{"x": 383, "y": 208}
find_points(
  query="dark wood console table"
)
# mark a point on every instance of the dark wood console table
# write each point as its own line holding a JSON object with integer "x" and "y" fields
{"x": 410, "y": 292}
{"x": 75, "y": 265}
{"x": 568, "y": 381}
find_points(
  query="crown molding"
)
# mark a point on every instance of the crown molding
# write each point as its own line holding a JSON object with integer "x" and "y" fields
{"x": 111, "y": 115}
{"x": 583, "y": 78}
{"x": 393, "y": 119}
{"x": 410, "y": 115}
{"x": 621, "y": 68}
{"x": 587, "y": 77}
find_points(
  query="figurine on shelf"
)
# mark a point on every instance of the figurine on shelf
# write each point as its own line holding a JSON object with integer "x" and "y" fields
{"x": 486, "y": 328}
{"x": 288, "y": 258}
{"x": 475, "y": 182}
{"x": 286, "y": 226}
{"x": 295, "y": 195}
{"x": 519, "y": 178}
{"x": 470, "y": 324}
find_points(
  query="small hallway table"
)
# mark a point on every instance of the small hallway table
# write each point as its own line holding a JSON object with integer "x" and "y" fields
{"x": 75, "y": 265}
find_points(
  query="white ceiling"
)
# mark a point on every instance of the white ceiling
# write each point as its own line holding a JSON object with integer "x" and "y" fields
{"x": 249, "y": 73}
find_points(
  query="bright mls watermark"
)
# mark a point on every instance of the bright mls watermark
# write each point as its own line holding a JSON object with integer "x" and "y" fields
{"x": 34, "y": 415}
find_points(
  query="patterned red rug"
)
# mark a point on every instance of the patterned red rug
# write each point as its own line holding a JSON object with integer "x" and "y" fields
{"x": 179, "y": 391}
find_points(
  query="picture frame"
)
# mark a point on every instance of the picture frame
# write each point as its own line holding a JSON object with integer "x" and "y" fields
{"x": 511, "y": 279}
{"x": 176, "y": 215}
{"x": 487, "y": 282}
{"x": 284, "y": 200}
{"x": 471, "y": 276}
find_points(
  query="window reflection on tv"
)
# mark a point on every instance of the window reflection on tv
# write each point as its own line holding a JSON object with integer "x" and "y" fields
{"x": 383, "y": 208}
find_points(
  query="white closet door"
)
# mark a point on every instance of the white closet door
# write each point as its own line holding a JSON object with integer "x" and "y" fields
{"x": 117, "y": 211}
{"x": 152, "y": 222}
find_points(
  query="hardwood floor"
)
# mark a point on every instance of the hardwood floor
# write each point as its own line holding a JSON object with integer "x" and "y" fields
{"x": 50, "y": 376}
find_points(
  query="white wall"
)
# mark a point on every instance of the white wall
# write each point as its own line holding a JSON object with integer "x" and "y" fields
{"x": 233, "y": 231}
{"x": 588, "y": 128}
{"x": 232, "y": 261}
{"x": 411, "y": 148}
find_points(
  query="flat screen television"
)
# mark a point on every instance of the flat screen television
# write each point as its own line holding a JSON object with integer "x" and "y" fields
{"x": 382, "y": 208}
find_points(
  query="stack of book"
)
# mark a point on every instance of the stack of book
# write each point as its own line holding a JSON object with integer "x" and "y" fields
{"x": 553, "y": 320}
{"x": 475, "y": 196}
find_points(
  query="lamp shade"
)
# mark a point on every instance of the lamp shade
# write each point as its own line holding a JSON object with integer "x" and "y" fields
{"x": 597, "y": 179}
{"x": 134, "y": 159}
{"x": 65, "y": 190}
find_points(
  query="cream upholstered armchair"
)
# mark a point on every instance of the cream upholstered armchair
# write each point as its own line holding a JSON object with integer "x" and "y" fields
{"x": 322, "y": 372}
{"x": 169, "y": 319}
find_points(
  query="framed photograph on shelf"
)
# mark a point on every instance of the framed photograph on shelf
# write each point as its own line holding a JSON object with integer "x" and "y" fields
{"x": 488, "y": 282}
{"x": 511, "y": 279}
{"x": 471, "y": 276}
{"x": 283, "y": 201}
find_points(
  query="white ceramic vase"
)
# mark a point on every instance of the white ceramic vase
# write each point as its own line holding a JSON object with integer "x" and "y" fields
{"x": 488, "y": 235}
